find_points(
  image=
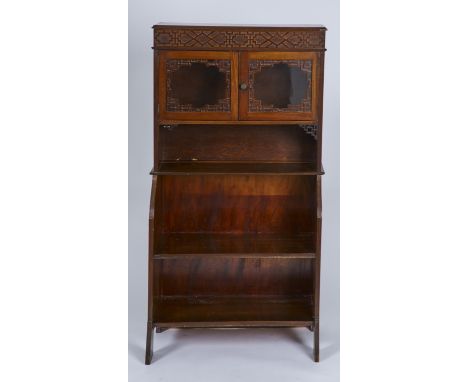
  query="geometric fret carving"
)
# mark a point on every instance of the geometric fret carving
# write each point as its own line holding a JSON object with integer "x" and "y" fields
{"x": 310, "y": 130}
{"x": 191, "y": 38}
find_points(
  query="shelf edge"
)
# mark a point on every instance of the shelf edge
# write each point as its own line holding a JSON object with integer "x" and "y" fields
{"x": 236, "y": 255}
{"x": 233, "y": 324}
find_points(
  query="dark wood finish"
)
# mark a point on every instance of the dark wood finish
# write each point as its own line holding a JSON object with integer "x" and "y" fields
{"x": 320, "y": 107}
{"x": 156, "y": 107}
{"x": 233, "y": 276}
{"x": 235, "y": 209}
{"x": 149, "y": 341}
{"x": 181, "y": 312}
{"x": 204, "y": 168}
{"x": 237, "y": 204}
{"x": 277, "y": 245}
{"x": 151, "y": 284}
{"x": 318, "y": 244}
{"x": 227, "y": 143}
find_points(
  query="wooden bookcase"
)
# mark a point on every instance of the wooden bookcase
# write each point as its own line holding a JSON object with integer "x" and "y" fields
{"x": 235, "y": 210}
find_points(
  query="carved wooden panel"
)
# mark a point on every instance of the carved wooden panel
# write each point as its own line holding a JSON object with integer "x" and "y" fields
{"x": 311, "y": 130}
{"x": 190, "y": 38}
{"x": 197, "y": 85}
{"x": 280, "y": 86}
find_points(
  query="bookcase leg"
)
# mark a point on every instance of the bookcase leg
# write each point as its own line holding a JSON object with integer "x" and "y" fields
{"x": 149, "y": 344}
{"x": 316, "y": 342}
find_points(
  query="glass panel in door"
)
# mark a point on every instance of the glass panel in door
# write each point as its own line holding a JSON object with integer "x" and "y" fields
{"x": 198, "y": 85}
{"x": 278, "y": 85}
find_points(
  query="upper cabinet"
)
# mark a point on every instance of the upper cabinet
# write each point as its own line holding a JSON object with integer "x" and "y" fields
{"x": 235, "y": 74}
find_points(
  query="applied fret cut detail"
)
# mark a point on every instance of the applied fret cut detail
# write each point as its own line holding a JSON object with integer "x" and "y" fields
{"x": 238, "y": 39}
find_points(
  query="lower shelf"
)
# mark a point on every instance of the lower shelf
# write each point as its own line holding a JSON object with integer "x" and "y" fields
{"x": 233, "y": 311}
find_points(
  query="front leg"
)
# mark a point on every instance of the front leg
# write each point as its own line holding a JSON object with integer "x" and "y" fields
{"x": 149, "y": 343}
{"x": 316, "y": 342}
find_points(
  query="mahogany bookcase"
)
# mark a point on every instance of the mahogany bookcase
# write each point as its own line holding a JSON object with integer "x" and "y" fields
{"x": 235, "y": 211}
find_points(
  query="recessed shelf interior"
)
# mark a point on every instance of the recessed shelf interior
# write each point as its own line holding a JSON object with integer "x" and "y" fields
{"x": 219, "y": 290}
{"x": 171, "y": 245}
{"x": 242, "y": 149}
{"x": 236, "y": 204}
{"x": 229, "y": 311}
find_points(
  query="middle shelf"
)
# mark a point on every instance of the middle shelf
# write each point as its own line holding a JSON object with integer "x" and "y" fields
{"x": 241, "y": 168}
{"x": 176, "y": 245}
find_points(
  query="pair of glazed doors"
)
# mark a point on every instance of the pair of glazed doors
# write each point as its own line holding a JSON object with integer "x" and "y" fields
{"x": 231, "y": 86}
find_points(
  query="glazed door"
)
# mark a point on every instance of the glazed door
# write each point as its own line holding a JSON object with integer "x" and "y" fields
{"x": 279, "y": 86}
{"x": 198, "y": 85}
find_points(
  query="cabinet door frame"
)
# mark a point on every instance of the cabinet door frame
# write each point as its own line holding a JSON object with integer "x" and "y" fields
{"x": 203, "y": 115}
{"x": 245, "y": 114}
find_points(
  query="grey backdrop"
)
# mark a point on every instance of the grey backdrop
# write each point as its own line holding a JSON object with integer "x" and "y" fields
{"x": 214, "y": 355}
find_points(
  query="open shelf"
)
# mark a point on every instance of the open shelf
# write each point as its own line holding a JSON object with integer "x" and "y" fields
{"x": 174, "y": 245}
{"x": 234, "y": 213}
{"x": 212, "y": 168}
{"x": 247, "y": 149}
{"x": 234, "y": 311}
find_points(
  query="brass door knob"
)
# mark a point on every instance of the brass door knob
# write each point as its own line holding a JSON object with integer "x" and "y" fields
{"x": 243, "y": 86}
